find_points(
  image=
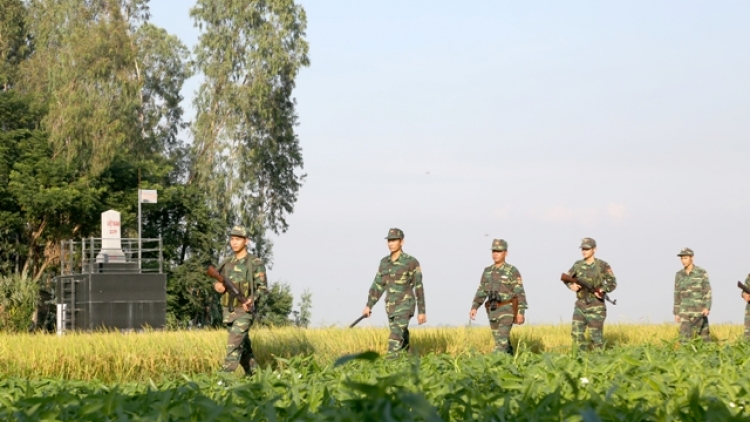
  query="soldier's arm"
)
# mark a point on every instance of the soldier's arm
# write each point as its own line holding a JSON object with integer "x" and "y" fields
{"x": 481, "y": 295}
{"x": 419, "y": 289}
{"x": 519, "y": 292}
{"x": 706, "y": 292}
{"x": 610, "y": 281}
{"x": 676, "y": 309}
{"x": 260, "y": 281}
{"x": 571, "y": 272}
{"x": 376, "y": 290}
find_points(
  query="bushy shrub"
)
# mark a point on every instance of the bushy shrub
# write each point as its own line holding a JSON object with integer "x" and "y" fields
{"x": 18, "y": 301}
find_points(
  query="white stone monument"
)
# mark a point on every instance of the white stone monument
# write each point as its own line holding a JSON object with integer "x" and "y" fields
{"x": 111, "y": 238}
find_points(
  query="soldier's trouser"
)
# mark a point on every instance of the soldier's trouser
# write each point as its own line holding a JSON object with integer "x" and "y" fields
{"x": 399, "y": 337}
{"x": 747, "y": 321}
{"x": 591, "y": 316}
{"x": 239, "y": 348}
{"x": 501, "y": 321}
{"x": 692, "y": 326}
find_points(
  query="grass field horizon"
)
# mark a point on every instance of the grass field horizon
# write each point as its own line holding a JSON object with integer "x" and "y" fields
{"x": 157, "y": 355}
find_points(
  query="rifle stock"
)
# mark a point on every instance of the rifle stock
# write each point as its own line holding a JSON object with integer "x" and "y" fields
{"x": 228, "y": 285}
{"x": 567, "y": 279}
{"x": 743, "y": 287}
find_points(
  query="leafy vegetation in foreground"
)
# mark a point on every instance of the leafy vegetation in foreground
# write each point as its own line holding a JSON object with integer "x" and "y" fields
{"x": 639, "y": 383}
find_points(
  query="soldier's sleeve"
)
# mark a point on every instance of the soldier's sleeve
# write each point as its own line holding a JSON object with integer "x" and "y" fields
{"x": 747, "y": 281}
{"x": 519, "y": 292}
{"x": 260, "y": 280}
{"x": 376, "y": 290}
{"x": 572, "y": 271}
{"x": 610, "y": 281}
{"x": 419, "y": 288}
{"x": 676, "y": 309}
{"x": 706, "y": 292}
{"x": 481, "y": 295}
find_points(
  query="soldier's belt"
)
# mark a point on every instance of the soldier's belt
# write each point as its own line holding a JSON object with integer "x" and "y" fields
{"x": 513, "y": 301}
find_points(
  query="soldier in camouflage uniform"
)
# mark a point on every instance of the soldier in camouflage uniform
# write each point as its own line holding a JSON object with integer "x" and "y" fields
{"x": 400, "y": 276}
{"x": 692, "y": 298}
{"x": 590, "y": 310}
{"x": 747, "y": 309}
{"x": 501, "y": 291}
{"x": 248, "y": 273}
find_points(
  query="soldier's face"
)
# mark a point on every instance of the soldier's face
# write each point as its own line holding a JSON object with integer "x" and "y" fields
{"x": 499, "y": 257}
{"x": 395, "y": 244}
{"x": 587, "y": 253}
{"x": 237, "y": 243}
{"x": 686, "y": 261}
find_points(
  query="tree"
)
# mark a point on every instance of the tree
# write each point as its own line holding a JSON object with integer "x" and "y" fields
{"x": 14, "y": 40}
{"x": 274, "y": 310}
{"x": 247, "y": 154}
{"x": 303, "y": 316}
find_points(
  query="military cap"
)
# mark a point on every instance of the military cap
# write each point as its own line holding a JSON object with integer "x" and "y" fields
{"x": 588, "y": 243}
{"x": 239, "y": 231}
{"x": 395, "y": 234}
{"x": 686, "y": 252}
{"x": 499, "y": 245}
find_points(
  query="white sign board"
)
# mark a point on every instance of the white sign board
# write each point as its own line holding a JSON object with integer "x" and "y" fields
{"x": 147, "y": 196}
{"x": 111, "y": 238}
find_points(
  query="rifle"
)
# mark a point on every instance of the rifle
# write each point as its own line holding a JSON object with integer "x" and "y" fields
{"x": 587, "y": 287}
{"x": 356, "y": 321}
{"x": 228, "y": 285}
{"x": 743, "y": 287}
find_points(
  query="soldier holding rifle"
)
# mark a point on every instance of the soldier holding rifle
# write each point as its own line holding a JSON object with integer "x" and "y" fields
{"x": 248, "y": 274}
{"x": 501, "y": 291}
{"x": 746, "y": 295}
{"x": 692, "y": 298}
{"x": 400, "y": 276}
{"x": 590, "y": 309}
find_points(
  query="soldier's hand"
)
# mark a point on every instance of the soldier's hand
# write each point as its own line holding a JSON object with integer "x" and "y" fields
{"x": 473, "y": 314}
{"x": 598, "y": 294}
{"x": 575, "y": 287}
{"x": 677, "y": 319}
{"x": 421, "y": 318}
{"x": 219, "y": 287}
{"x": 247, "y": 306}
{"x": 746, "y": 297}
{"x": 705, "y": 312}
{"x": 520, "y": 319}
{"x": 366, "y": 311}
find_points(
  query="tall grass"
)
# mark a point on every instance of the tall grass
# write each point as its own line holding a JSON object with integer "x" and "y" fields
{"x": 117, "y": 357}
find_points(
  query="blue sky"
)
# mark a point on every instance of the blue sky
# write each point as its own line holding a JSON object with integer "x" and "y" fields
{"x": 537, "y": 122}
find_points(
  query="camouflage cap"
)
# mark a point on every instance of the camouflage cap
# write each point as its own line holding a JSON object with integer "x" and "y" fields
{"x": 686, "y": 252}
{"x": 239, "y": 231}
{"x": 588, "y": 243}
{"x": 499, "y": 245}
{"x": 395, "y": 234}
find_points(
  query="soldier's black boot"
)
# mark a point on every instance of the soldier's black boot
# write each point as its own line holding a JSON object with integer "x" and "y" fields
{"x": 509, "y": 350}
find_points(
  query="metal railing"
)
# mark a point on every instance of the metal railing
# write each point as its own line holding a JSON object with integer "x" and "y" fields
{"x": 94, "y": 255}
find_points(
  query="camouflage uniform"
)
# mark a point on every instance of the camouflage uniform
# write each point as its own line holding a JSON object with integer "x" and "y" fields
{"x": 747, "y": 312}
{"x": 402, "y": 281}
{"x": 505, "y": 283}
{"x": 692, "y": 294}
{"x": 249, "y": 275}
{"x": 590, "y": 311}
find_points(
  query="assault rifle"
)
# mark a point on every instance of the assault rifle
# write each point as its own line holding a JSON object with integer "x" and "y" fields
{"x": 586, "y": 287}
{"x": 744, "y": 288}
{"x": 229, "y": 286}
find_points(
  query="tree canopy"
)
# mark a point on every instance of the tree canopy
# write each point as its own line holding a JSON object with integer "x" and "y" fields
{"x": 91, "y": 111}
